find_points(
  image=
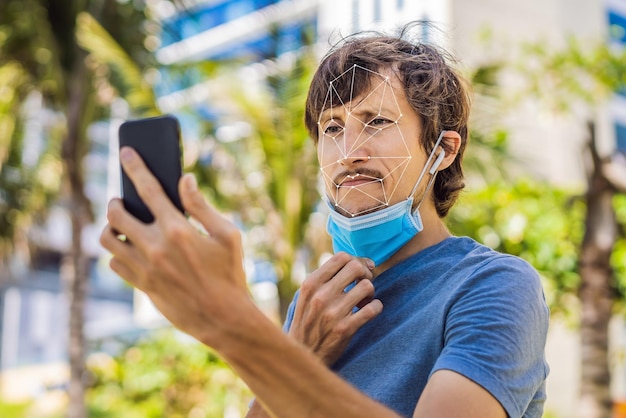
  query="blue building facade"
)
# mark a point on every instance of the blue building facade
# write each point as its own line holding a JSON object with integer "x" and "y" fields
{"x": 616, "y": 19}
{"x": 241, "y": 31}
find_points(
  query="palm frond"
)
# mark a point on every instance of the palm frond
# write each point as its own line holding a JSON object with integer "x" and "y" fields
{"x": 102, "y": 47}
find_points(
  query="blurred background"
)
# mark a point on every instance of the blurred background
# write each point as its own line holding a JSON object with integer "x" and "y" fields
{"x": 546, "y": 171}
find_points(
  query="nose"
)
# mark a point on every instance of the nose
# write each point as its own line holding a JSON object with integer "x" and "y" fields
{"x": 355, "y": 148}
{"x": 354, "y": 159}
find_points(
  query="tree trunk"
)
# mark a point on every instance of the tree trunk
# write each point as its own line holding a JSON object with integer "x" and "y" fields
{"x": 75, "y": 271}
{"x": 596, "y": 291}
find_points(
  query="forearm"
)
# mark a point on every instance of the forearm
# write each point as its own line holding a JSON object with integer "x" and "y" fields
{"x": 286, "y": 377}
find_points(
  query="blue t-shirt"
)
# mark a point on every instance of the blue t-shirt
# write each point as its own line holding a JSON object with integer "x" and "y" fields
{"x": 460, "y": 306}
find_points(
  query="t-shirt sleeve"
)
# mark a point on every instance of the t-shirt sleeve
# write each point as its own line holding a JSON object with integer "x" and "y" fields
{"x": 495, "y": 333}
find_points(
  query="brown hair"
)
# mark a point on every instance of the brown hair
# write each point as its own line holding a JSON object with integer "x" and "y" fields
{"x": 437, "y": 92}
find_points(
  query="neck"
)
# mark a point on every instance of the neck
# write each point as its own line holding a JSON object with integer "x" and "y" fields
{"x": 433, "y": 233}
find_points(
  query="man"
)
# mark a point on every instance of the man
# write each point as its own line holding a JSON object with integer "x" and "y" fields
{"x": 463, "y": 328}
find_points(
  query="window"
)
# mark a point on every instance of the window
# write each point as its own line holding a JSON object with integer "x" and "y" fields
{"x": 377, "y": 11}
{"x": 355, "y": 15}
{"x": 620, "y": 136}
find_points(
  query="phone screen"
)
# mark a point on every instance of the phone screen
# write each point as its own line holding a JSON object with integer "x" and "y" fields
{"x": 157, "y": 141}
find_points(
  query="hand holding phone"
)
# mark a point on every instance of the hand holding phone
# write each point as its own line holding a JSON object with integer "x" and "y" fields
{"x": 157, "y": 141}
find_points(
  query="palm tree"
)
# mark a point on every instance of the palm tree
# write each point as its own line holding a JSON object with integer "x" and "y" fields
{"x": 28, "y": 77}
{"x": 41, "y": 55}
{"x": 64, "y": 82}
{"x": 284, "y": 157}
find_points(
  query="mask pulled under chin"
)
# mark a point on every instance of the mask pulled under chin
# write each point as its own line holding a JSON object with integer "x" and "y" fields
{"x": 377, "y": 235}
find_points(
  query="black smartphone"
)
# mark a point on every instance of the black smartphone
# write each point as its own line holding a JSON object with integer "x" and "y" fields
{"x": 157, "y": 140}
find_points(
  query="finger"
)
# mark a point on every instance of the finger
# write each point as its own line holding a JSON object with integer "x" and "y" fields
{"x": 353, "y": 272}
{"x": 330, "y": 268}
{"x": 120, "y": 250}
{"x": 196, "y": 206}
{"x": 366, "y": 314}
{"x": 367, "y": 262}
{"x": 364, "y": 302}
{"x": 148, "y": 187}
{"x": 109, "y": 239}
{"x": 362, "y": 293}
{"x": 124, "y": 271}
{"x": 123, "y": 223}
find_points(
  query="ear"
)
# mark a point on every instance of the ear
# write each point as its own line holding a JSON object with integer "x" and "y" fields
{"x": 450, "y": 143}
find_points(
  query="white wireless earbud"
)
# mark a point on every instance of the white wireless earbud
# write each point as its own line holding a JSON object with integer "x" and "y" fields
{"x": 437, "y": 162}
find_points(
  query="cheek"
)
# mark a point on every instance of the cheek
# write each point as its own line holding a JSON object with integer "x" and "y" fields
{"x": 328, "y": 153}
{"x": 394, "y": 154}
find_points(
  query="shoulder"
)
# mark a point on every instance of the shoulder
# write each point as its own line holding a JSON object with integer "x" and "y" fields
{"x": 483, "y": 266}
{"x": 496, "y": 325}
{"x": 460, "y": 265}
{"x": 500, "y": 288}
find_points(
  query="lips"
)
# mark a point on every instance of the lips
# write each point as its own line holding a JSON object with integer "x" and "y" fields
{"x": 357, "y": 180}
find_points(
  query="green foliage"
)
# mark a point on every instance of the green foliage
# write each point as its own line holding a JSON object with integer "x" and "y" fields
{"x": 269, "y": 175}
{"x": 28, "y": 69}
{"x": 532, "y": 220}
{"x": 578, "y": 73}
{"x": 27, "y": 39}
{"x": 618, "y": 258}
{"x": 15, "y": 410}
{"x": 105, "y": 50}
{"x": 487, "y": 152}
{"x": 165, "y": 375}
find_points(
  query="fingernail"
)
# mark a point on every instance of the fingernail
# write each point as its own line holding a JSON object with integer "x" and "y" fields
{"x": 370, "y": 264}
{"x": 126, "y": 154}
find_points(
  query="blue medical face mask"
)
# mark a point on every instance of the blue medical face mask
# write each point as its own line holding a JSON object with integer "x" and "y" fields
{"x": 379, "y": 235}
{"x": 376, "y": 235}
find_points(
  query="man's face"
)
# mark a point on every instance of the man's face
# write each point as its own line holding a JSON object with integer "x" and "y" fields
{"x": 368, "y": 148}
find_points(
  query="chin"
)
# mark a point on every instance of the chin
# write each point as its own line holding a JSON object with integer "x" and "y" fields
{"x": 348, "y": 211}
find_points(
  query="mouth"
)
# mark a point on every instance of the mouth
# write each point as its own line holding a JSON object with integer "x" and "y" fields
{"x": 358, "y": 179}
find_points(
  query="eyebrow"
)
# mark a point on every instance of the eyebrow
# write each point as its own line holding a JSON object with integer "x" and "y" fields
{"x": 382, "y": 111}
{"x": 366, "y": 112}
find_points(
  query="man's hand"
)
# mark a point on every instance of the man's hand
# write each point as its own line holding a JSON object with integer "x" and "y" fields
{"x": 191, "y": 278}
{"x": 325, "y": 319}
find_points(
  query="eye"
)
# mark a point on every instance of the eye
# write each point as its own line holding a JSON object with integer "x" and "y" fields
{"x": 379, "y": 122}
{"x": 332, "y": 129}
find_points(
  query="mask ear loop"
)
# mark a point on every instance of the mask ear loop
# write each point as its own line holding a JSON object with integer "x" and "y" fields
{"x": 432, "y": 170}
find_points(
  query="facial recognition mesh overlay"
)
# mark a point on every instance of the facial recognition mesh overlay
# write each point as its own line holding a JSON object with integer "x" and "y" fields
{"x": 362, "y": 151}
